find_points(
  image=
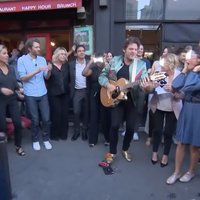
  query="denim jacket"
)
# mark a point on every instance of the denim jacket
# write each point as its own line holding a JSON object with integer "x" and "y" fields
{"x": 111, "y": 70}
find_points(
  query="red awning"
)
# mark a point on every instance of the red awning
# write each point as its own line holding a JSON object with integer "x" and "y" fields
{"x": 35, "y": 5}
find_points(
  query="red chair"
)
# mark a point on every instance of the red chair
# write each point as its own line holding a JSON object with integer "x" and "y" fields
{"x": 10, "y": 129}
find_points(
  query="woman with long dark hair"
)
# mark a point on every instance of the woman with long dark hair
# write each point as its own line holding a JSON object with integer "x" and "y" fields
{"x": 109, "y": 56}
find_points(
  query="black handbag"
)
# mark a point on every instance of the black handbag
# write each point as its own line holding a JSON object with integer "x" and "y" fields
{"x": 20, "y": 96}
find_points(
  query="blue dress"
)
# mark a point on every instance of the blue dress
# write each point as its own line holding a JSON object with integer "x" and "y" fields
{"x": 188, "y": 126}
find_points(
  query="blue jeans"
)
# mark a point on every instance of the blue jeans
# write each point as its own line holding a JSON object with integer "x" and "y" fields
{"x": 39, "y": 106}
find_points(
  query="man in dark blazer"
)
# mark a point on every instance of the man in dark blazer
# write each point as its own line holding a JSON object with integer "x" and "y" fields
{"x": 79, "y": 93}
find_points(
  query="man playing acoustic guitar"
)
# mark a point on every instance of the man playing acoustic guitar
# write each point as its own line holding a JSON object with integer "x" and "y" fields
{"x": 128, "y": 67}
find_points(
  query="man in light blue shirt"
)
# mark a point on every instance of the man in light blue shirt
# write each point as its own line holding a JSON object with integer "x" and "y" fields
{"x": 32, "y": 70}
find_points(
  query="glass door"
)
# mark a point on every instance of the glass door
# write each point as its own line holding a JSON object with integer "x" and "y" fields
{"x": 158, "y": 44}
{"x": 60, "y": 39}
{"x": 45, "y": 44}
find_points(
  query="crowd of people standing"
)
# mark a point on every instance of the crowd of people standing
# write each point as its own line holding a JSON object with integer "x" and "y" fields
{"x": 173, "y": 103}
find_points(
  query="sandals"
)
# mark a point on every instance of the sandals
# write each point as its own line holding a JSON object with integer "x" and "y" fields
{"x": 20, "y": 151}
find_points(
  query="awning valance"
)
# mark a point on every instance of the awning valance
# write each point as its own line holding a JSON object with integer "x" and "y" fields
{"x": 34, "y": 5}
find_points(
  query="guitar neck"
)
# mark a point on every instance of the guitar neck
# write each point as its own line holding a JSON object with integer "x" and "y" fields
{"x": 155, "y": 77}
{"x": 130, "y": 85}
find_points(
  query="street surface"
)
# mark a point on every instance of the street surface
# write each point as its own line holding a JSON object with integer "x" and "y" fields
{"x": 70, "y": 171}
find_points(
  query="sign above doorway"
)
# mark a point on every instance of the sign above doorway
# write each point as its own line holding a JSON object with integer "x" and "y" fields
{"x": 34, "y": 5}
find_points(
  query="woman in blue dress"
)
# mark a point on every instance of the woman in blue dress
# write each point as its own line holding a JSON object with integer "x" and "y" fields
{"x": 188, "y": 127}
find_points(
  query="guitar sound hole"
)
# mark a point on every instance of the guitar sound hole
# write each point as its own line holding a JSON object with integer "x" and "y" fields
{"x": 115, "y": 95}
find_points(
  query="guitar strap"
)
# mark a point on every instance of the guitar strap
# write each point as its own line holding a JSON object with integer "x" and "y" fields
{"x": 134, "y": 70}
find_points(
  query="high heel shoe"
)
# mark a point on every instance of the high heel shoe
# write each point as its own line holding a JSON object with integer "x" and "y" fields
{"x": 163, "y": 165}
{"x": 154, "y": 161}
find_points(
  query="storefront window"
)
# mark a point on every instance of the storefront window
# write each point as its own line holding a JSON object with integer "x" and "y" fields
{"x": 144, "y": 9}
{"x": 149, "y": 35}
{"x": 182, "y": 10}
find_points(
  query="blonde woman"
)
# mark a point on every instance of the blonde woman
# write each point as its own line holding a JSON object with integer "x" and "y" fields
{"x": 156, "y": 63}
{"x": 58, "y": 94}
{"x": 149, "y": 125}
{"x": 165, "y": 105}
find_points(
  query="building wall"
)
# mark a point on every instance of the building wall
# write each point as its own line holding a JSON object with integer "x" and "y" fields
{"x": 110, "y": 22}
{"x": 109, "y": 36}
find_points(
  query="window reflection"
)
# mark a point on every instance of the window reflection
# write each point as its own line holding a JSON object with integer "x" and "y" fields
{"x": 182, "y": 10}
{"x": 144, "y": 9}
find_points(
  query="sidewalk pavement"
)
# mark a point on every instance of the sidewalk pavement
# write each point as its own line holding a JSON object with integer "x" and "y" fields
{"x": 70, "y": 172}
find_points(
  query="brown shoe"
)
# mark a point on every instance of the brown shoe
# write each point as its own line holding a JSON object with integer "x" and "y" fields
{"x": 110, "y": 158}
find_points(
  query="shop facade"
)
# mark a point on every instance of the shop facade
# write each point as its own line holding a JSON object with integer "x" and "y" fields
{"x": 52, "y": 22}
{"x": 164, "y": 22}
{"x": 173, "y": 23}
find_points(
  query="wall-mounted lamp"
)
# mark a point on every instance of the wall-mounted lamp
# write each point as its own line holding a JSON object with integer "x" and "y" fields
{"x": 53, "y": 44}
{"x": 81, "y": 13}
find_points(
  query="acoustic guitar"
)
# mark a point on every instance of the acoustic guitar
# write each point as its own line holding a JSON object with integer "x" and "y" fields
{"x": 123, "y": 86}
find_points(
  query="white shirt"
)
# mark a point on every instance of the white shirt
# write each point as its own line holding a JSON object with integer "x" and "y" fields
{"x": 80, "y": 81}
{"x": 164, "y": 102}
